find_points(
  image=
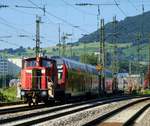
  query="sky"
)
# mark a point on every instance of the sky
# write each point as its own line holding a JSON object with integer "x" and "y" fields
{"x": 73, "y": 19}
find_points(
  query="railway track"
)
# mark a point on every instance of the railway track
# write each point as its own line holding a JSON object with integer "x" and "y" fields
{"x": 25, "y": 107}
{"x": 123, "y": 116}
{"x": 52, "y": 113}
{"x": 18, "y": 108}
{"x": 11, "y": 103}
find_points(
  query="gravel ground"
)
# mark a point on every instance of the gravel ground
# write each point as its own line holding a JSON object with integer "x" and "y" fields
{"x": 16, "y": 114}
{"x": 46, "y": 115}
{"x": 144, "y": 119}
{"x": 80, "y": 118}
{"x": 125, "y": 115}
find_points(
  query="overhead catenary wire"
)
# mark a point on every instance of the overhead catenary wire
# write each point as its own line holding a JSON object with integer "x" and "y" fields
{"x": 10, "y": 43}
{"x": 133, "y": 5}
{"x": 59, "y": 18}
{"x": 77, "y": 9}
{"x": 8, "y": 24}
{"x": 122, "y": 11}
{"x": 4, "y": 22}
{"x": 24, "y": 12}
{"x": 21, "y": 11}
{"x": 29, "y": 13}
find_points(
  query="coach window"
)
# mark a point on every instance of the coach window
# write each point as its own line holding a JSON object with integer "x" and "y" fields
{"x": 59, "y": 75}
{"x": 60, "y": 71}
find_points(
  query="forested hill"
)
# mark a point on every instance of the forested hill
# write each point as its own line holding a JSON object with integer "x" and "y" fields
{"x": 127, "y": 30}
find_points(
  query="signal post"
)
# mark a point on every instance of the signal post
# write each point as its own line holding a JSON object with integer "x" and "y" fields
{"x": 101, "y": 65}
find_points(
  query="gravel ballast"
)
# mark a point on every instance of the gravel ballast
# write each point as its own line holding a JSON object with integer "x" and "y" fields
{"x": 81, "y": 118}
{"x": 144, "y": 119}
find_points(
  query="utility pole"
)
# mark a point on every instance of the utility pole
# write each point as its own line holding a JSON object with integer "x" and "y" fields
{"x": 101, "y": 39}
{"x": 102, "y": 56}
{"x": 84, "y": 46}
{"x": 98, "y": 22}
{"x": 98, "y": 11}
{"x": 59, "y": 37}
{"x": 84, "y": 49}
{"x": 115, "y": 57}
{"x": 148, "y": 75}
{"x": 64, "y": 37}
{"x": 70, "y": 51}
{"x": 138, "y": 52}
{"x": 102, "y": 44}
{"x": 38, "y": 21}
{"x": 142, "y": 25}
{"x": 130, "y": 67}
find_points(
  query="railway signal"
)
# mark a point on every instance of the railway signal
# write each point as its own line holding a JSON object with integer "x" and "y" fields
{"x": 99, "y": 67}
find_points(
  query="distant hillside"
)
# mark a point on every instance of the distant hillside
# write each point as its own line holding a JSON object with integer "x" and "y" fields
{"x": 127, "y": 30}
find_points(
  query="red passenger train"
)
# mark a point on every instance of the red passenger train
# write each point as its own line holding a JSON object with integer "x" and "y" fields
{"x": 77, "y": 78}
{"x": 83, "y": 79}
{"x": 57, "y": 79}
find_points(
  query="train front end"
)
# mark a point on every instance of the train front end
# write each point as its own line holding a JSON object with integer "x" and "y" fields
{"x": 37, "y": 80}
{"x": 33, "y": 84}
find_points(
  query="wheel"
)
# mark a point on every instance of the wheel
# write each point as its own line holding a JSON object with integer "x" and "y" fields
{"x": 36, "y": 102}
{"x": 29, "y": 103}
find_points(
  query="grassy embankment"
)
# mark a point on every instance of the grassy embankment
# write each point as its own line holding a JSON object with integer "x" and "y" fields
{"x": 147, "y": 91}
{"x": 77, "y": 50}
{"x": 8, "y": 94}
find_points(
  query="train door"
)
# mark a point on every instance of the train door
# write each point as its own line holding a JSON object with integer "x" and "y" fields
{"x": 36, "y": 79}
{"x": 38, "y": 74}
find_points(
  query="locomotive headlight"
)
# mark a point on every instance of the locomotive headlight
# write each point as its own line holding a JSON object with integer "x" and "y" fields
{"x": 22, "y": 93}
{"x": 43, "y": 93}
{"x": 43, "y": 71}
{"x": 29, "y": 71}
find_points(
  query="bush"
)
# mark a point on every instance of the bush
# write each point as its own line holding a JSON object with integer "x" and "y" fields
{"x": 8, "y": 94}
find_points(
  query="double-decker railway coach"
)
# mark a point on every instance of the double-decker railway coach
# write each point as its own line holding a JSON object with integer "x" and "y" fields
{"x": 39, "y": 80}
{"x": 76, "y": 78}
{"x": 79, "y": 79}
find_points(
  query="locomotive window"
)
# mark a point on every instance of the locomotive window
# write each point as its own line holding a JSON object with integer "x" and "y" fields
{"x": 46, "y": 63}
{"x": 30, "y": 63}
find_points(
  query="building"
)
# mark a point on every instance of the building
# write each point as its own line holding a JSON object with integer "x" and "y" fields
{"x": 3, "y": 66}
{"x": 14, "y": 66}
{"x": 9, "y": 69}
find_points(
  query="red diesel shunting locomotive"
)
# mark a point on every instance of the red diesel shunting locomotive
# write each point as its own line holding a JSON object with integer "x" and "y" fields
{"x": 39, "y": 80}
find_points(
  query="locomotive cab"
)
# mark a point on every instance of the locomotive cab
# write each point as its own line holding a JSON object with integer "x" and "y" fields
{"x": 38, "y": 79}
